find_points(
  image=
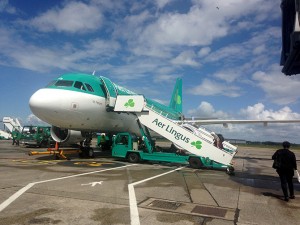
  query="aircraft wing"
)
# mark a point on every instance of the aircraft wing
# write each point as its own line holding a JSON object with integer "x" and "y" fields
{"x": 226, "y": 122}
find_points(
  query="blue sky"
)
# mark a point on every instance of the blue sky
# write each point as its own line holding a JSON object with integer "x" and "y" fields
{"x": 226, "y": 52}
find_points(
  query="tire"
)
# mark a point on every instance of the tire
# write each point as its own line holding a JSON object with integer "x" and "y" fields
{"x": 133, "y": 157}
{"x": 230, "y": 170}
{"x": 195, "y": 163}
{"x": 43, "y": 144}
{"x": 87, "y": 152}
{"x": 91, "y": 153}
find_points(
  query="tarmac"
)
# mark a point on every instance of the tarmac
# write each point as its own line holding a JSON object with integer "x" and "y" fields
{"x": 104, "y": 190}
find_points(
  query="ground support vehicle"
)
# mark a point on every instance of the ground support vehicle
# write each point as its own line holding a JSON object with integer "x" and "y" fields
{"x": 128, "y": 146}
{"x": 57, "y": 152}
{"x": 195, "y": 142}
{"x": 38, "y": 136}
{"x": 84, "y": 150}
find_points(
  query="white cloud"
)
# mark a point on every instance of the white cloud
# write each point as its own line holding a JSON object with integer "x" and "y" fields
{"x": 273, "y": 132}
{"x": 279, "y": 89}
{"x": 260, "y": 44}
{"x": 236, "y": 8}
{"x": 226, "y": 52}
{"x": 33, "y": 120}
{"x": 258, "y": 111}
{"x": 6, "y": 7}
{"x": 227, "y": 75}
{"x": 252, "y": 132}
{"x": 75, "y": 17}
{"x": 162, "y": 3}
{"x": 205, "y": 109}
{"x": 258, "y": 132}
{"x": 259, "y": 49}
{"x": 82, "y": 57}
{"x": 186, "y": 58}
{"x": 205, "y": 22}
{"x": 209, "y": 87}
{"x": 163, "y": 78}
{"x": 184, "y": 29}
{"x": 204, "y": 51}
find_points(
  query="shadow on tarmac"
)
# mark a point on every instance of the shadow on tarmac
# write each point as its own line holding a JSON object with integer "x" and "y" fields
{"x": 269, "y": 194}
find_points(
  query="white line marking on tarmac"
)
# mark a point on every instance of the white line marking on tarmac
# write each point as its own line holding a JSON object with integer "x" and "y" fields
{"x": 92, "y": 184}
{"x": 28, "y": 186}
{"x": 134, "y": 213}
{"x": 15, "y": 196}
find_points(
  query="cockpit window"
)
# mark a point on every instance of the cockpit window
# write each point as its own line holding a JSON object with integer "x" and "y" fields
{"x": 79, "y": 85}
{"x": 64, "y": 83}
{"x": 89, "y": 87}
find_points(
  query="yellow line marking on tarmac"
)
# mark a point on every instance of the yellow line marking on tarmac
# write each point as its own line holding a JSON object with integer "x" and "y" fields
{"x": 92, "y": 163}
{"x": 45, "y": 162}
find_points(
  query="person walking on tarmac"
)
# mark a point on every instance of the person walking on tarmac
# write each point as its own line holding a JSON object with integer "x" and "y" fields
{"x": 285, "y": 164}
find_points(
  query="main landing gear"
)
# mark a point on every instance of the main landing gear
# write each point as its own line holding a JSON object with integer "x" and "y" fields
{"x": 85, "y": 146}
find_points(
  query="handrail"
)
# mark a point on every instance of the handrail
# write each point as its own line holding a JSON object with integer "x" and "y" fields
{"x": 202, "y": 138}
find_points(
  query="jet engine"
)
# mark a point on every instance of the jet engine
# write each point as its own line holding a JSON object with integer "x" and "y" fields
{"x": 65, "y": 135}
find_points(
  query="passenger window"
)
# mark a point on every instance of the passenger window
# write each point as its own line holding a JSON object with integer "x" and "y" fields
{"x": 79, "y": 85}
{"x": 89, "y": 87}
{"x": 64, "y": 83}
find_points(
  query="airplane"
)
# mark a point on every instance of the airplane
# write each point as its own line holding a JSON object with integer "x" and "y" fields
{"x": 76, "y": 104}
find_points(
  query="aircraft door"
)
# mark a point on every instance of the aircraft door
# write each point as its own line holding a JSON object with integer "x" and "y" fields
{"x": 110, "y": 91}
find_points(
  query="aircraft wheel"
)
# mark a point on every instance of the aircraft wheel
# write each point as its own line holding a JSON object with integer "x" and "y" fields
{"x": 91, "y": 153}
{"x": 230, "y": 170}
{"x": 133, "y": 157}
{"x": 195, "y": 163}
{"x": 43, "y": 144}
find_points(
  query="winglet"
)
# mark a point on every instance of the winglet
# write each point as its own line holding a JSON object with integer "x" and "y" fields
{"x": 176, "y": 100}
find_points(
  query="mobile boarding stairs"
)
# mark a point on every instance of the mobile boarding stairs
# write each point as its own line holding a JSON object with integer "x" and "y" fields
{"x": 195, "y": 140}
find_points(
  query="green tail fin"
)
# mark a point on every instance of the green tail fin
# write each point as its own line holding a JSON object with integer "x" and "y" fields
{"x": 176, "y": 100}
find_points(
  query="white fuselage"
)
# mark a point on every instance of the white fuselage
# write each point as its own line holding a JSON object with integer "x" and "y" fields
{"x": 79, "y": 111}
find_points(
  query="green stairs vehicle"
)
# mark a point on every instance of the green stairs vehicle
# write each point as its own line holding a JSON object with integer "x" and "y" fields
{"x": 128, "y": 146}
{"x": 192, "y": 145}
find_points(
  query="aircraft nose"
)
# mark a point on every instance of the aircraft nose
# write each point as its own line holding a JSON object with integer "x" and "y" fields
{"x": 41, "y": 102}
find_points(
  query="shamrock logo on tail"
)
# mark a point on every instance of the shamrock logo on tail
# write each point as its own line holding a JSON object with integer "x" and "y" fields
{"x": 197, "y": 144}
{"x": 178, "y": 100}
{"x": 130, "y": 103}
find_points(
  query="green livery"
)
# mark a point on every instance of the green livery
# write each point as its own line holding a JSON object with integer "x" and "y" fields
{"x": 99, "y": 86}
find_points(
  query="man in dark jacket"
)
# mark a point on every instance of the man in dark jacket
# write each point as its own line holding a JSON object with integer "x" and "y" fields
{"x": 286, "y": 165}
